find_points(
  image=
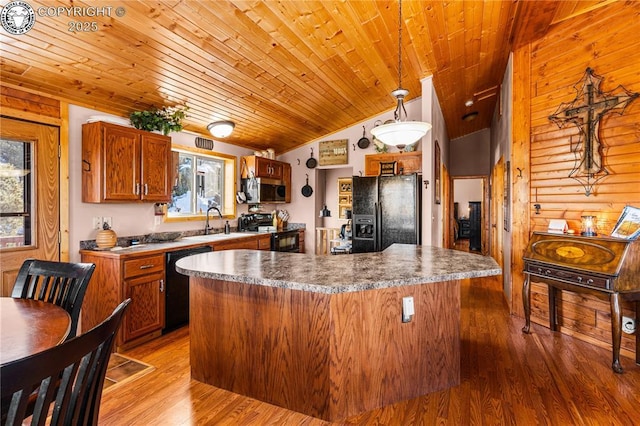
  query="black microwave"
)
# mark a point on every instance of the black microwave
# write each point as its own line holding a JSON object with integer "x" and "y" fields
{"x": 259, "y": 190}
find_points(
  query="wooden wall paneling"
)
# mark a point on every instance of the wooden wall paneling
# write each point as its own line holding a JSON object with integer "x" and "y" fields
{"x": 29, "y": 102}
{"x": 606, "y": 40}
{"x": 520, "y": 159}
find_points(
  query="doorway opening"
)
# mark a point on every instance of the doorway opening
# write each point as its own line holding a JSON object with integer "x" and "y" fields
{"x": 470, "y": 218}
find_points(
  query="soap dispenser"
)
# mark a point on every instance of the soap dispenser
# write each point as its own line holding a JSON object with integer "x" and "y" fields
{"x": 227, "y": 228}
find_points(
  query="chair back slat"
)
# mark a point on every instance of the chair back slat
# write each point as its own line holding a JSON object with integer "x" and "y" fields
{"x": 68, "y": 378}
{"x": 61, "y": 283}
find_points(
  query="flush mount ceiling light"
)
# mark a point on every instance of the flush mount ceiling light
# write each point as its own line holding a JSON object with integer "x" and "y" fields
{"x": 400, "y": 132}
{"x": 221, "y": 129}
{"x": 470, "y": 116}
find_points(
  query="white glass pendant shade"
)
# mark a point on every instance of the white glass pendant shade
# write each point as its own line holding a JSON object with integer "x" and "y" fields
{"x": 221, "y": 129}
{"x": 401, "y": 132}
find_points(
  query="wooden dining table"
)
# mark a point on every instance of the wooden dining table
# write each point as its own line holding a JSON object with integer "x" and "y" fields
{"x": 30, "y": 326}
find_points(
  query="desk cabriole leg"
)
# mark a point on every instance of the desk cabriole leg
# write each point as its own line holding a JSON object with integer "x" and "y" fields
{"x": 637, "y": 333}
{"x": 616, "y": 331}
{"x": 526, "y": 301}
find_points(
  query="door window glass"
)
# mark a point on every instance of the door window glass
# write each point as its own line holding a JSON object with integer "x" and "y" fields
{"x": 16, "y": 194}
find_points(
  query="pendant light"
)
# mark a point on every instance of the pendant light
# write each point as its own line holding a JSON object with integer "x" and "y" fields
{"x": 400, "y": 132}
{"x": 221, "y": 129}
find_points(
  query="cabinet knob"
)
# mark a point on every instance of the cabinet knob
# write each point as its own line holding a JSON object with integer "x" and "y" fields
{"x": 146, "y": 189}
{"x": 161, "y": 286}
{"x": 138, "y": 188}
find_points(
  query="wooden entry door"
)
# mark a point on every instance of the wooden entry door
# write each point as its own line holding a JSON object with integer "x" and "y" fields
{"x": 29, "y": 196}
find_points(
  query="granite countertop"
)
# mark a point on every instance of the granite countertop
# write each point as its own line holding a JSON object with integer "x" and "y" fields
{"x": 398, "y": 265}
{"x": 185, "y": 241}
{"x": 182, "y": 242}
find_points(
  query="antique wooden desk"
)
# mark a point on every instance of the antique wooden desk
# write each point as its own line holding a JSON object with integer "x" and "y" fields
{"x": 30, "y": 326}
{"x": 602, "y": 266}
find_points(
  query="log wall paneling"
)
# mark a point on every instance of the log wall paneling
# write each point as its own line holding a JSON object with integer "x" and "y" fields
{"x": 607, "y": 40}
{"x": 29, "y": 102}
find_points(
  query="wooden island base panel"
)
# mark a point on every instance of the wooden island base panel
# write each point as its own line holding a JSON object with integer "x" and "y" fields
{"x": 287, "y": 329}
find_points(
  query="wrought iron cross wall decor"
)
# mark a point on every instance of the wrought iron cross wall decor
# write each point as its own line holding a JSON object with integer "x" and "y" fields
{"x": 586, "y": 111}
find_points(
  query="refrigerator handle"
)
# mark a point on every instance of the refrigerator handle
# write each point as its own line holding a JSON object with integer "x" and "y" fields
{"x": 378, "y": 232}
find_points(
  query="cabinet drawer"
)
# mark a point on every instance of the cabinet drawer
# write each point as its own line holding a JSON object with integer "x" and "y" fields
{"x": 143, "y": 265}
{"x": 575, "y": 277}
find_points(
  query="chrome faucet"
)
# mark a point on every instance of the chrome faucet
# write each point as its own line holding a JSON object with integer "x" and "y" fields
{"x": 206, "y": 224}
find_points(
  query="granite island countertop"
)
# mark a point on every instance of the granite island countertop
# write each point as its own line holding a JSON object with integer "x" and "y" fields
{"x": 398, "y": 265}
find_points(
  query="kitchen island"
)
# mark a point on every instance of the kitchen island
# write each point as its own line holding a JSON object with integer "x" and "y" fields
{"x": 323, "y": 335}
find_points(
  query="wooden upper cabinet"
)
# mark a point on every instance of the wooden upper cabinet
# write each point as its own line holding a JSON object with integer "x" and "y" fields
{"x": 156, "y": 165}
{"x": 121, "y": 164}
{"x": 263, "y": 167}
{"x": 286, "y": 180}
{"x": 407, "y": 162}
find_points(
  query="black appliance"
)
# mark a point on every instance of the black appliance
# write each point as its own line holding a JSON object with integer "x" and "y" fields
{"x": 177, "y": 289}
{"x": 285, "y": 241}
{"x": 253, "y": 221}
{"x": 386, "y": 210}
{"x": 261, "y": 190}
{"x": 475, "y": 225}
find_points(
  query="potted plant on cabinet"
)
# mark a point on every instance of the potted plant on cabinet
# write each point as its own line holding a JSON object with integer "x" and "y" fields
{"x": 166, "y": 119}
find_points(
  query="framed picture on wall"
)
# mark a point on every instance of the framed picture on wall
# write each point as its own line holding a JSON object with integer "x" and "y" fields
{"x": 437, "y": 189}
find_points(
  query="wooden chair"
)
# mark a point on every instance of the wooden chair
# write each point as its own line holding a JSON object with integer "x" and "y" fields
{"x": 68, "y": 377}
{"x": 63, "y": 284}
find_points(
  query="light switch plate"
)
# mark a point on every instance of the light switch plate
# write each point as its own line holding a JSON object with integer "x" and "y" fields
{"x": 408, "y": 310}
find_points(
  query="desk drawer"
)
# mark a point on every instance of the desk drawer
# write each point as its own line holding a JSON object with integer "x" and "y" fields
{"x": 575, "y": 277}
{"x": 143, "y": 265}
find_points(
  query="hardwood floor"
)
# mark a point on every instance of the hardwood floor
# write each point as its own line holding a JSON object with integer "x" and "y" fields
{"x": 507, "y": 378}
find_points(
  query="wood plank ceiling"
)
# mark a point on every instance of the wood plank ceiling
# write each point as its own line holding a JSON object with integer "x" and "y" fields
{"x": 286, "y": 72}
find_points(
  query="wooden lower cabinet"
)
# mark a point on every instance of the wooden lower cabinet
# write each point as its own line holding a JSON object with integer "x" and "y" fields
{"x": 301, "y": 240}
{"x": 116, "y": 278}
{"x": 141, "y": 277}
{"x": 146, "y": 312}
{"x": 237, "y": 244}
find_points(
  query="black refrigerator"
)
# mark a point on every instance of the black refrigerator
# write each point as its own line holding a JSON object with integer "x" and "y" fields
{"x": 386, "y": 210}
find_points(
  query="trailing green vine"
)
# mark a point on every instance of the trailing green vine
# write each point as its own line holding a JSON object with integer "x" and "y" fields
{"x": 166, "y": 119}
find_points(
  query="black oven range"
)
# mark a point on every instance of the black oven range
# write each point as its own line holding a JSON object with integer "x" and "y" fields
{"x": 288, "y": 240}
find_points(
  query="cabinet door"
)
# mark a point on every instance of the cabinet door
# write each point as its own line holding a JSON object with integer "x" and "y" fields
{"x": 156, "y": 166}
{"x": 268, "y": 168}
{"x": 264, "y": 242}
{"x": 410, "y": 162}
{"x": 146, "y": 311}
{"x": 241, "y": 243}
{"x": 286, "y": 179}
{"x": 372, "y": 165}
{"x": 121, "y": 164}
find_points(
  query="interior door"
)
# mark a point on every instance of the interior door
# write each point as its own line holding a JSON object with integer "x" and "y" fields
{"x": 29, "y": 196}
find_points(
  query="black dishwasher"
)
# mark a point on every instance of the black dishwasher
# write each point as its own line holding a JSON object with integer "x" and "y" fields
{"x": 176, "y": 312}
